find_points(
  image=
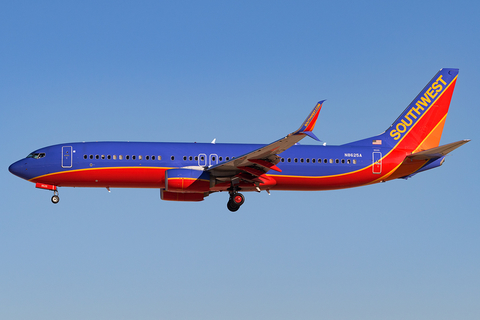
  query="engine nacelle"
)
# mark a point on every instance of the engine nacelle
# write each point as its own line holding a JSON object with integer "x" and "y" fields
{"x": 187, "y": 181}
{"x": 179, "y": 196}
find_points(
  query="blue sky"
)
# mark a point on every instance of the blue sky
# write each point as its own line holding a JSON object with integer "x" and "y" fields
{"x": 246, "y": 71}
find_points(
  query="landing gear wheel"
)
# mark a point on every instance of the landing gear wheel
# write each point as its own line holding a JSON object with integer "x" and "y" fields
{"x": 55, "y": 199}
{"x": 238, "y": 199}
{"x": 235, "y": 201}
{"x": 232, "y": 206}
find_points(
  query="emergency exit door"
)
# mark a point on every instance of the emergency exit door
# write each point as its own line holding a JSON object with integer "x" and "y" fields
{"x": 67, "y": 157}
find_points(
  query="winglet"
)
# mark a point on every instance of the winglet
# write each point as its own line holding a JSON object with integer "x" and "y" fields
{"x": 310, "y": 122}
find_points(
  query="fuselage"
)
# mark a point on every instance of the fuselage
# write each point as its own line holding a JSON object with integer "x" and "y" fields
{"x": 143, "y": 164}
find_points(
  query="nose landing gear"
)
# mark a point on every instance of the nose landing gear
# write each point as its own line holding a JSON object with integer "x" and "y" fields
{"x": 55, "y": 197}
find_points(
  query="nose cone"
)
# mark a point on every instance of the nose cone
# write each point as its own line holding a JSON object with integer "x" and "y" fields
{"x": 18, "y": 168}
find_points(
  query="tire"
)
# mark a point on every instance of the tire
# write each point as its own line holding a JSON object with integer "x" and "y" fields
{"x": 55, "y": 199}
{"x": 232, "y": 206}
{"x": 238, "y": 199}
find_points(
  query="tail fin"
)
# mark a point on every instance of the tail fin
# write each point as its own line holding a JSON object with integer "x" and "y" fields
{"x": 420, "y": 126}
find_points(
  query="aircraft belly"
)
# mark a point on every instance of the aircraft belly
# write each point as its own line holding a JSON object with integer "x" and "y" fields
{"x": 127, "y": 177}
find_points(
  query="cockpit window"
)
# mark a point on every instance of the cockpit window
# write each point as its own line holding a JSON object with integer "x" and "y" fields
{"x": 36, "y": 155}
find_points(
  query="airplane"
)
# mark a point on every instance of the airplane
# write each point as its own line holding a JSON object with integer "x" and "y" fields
{"x": 192, "y": 171}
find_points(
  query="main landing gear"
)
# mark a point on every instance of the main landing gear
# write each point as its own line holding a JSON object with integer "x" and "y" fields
{"x": 235, "y": 201}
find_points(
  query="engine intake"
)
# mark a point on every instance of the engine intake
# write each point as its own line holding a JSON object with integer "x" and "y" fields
{"x": 187, "y": 181}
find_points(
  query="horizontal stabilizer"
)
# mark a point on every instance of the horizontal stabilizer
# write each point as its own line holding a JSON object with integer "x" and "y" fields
{"x": 438, "y": 151}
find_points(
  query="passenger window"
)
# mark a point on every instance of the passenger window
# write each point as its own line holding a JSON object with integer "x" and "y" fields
{"x": 91, "y": 156}
{"x": 289, "y": 160}
{"x": 172, "y": 158}
{"x": 85, "y": 156}
{"x": 97, "y": 156}
{"x": 134, "y": 157}
{"x": 120, "y": 157}
{"x": 354, "y": 161}
{"x": 109, "y": 157}
{"x": 103, "y": 157}
{"x": 343, "y": 160}
{"x": 114, "y": 157}
{"x": 295, "y": 160}
{"x": 331, "y": 161}
{"x": 127, "y": 157}
{"x": 190, "y": 158}
{"x": 336, "y": 160}
{"x": 140, "y": 157}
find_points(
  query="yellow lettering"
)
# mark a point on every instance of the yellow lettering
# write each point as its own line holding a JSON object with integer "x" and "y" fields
{"x": 419, "y": 108}
{"x": 411, "y": 114}
{"x": 431, "y": 92}
{"x": 436, "y": 86}
{"x": 395, "y": 135}
{"x": 440, "y": 79}
{"x": 425, "y": 100}
{"x": 401, "y": 125}
{"x": 407, "y": 124}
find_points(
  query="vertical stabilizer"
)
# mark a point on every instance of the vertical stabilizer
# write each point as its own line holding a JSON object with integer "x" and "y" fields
{"x": 420, "y": 126}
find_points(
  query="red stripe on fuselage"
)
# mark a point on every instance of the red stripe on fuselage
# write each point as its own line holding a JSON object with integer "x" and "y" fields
{"x": 121, "y": 177}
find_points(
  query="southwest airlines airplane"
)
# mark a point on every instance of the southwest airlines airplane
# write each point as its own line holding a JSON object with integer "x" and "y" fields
{"x": 192, "y": 171}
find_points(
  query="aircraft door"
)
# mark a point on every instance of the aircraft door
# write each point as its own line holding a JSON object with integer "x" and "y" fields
{"x": 67, "y": 157}
{"x": 377, "y": 162}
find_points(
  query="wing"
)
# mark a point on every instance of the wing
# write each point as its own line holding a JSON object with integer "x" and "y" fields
{"x": 251, "y": 167}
